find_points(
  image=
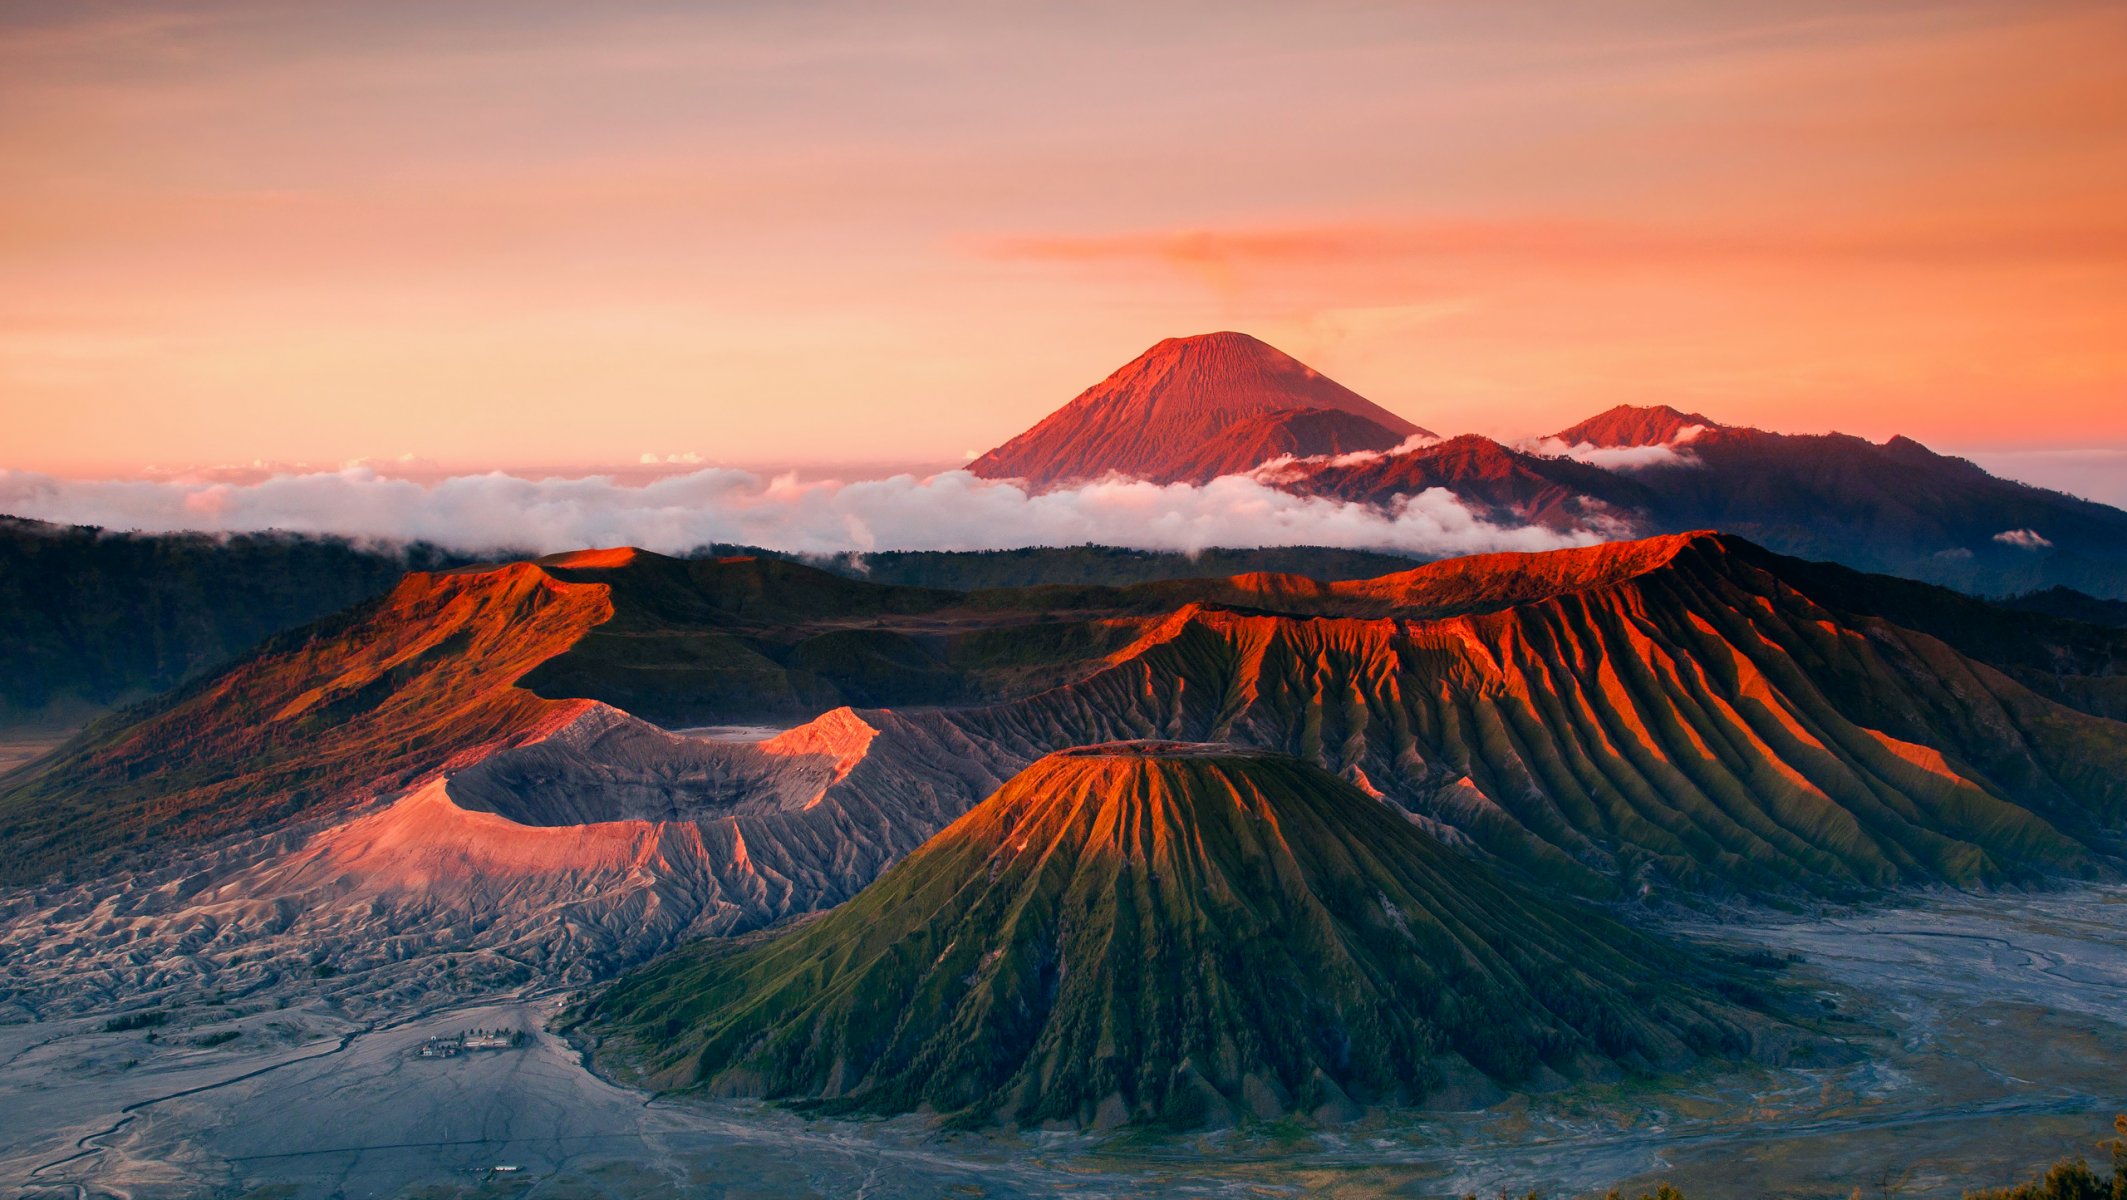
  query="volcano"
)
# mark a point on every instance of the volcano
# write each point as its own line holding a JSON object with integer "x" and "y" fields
{"x": 1191, "y": 409}
{"x": 1172, "y": 933}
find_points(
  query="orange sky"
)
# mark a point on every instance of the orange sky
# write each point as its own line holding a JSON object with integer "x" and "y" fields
{"x": 508, "y": 233}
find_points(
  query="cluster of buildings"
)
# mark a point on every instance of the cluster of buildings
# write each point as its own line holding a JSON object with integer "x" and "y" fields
{"x": 472, "y": 1039}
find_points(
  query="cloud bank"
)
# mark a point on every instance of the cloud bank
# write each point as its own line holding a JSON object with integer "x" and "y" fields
{"x": 950, "y": 511}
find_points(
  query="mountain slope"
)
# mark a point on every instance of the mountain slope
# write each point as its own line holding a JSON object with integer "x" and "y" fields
{"x": 1193, "y": 408}
{"x": 1501, "y": 485}
{"x": 452, "y": 667}
{"x": 1897, "y": 508}
{"x": 572, "y": 855}
{"x": 1687, "y": 712}
{"x": 1631, "y": 716}
{"x": 400, "y": 689}
{"x": 1299, "y": 433}
{"x": 1155, "y": 932}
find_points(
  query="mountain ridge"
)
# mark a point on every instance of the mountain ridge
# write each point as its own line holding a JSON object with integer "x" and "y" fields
{"x": 1688, "y": 713}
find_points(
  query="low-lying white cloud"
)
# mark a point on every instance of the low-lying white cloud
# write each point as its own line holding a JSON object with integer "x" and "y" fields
{"x": 954, "y": 510}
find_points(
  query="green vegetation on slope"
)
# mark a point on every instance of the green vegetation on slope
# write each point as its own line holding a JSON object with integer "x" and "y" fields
{"x": 1171, "y": 934}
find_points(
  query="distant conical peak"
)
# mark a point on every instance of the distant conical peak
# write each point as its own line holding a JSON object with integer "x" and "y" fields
{"x": 1194, "y": 408}
{"x": 1231, "y": 372}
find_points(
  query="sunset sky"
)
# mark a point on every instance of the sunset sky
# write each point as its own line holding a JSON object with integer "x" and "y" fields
{"x": 520, "y": 234}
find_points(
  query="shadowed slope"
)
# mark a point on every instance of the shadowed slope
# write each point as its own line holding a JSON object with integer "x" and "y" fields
{"x": 1895, "y": 507}
{"x": 1154, "y": 418}
{"x": 1152, "y": 932}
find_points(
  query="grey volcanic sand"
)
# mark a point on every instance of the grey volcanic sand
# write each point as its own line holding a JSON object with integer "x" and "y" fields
{"x": 1993, "y": 1027}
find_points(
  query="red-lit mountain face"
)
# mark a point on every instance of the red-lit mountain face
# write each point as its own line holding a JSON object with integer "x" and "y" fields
{"x": 1686, "y": 711}
{"x": 1191, "y": 409}
{"x": 1661, "y": 713}
{"x": 1630, "y": 425}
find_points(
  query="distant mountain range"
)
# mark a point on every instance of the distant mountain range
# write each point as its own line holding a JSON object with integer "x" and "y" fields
{"x": 1193, "y": 408}
{"x": 98, "y": 619}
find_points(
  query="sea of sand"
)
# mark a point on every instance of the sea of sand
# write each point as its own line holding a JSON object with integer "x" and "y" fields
{"x": 1992, "y": 1028}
